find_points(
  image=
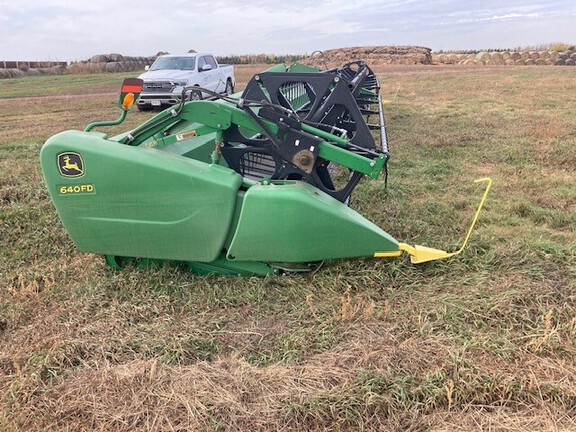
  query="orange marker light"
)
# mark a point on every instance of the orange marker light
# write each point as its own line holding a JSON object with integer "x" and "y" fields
{"x": 128, "y": 101}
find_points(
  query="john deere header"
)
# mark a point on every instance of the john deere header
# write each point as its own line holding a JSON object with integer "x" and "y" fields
{"x": 251, "y": 183}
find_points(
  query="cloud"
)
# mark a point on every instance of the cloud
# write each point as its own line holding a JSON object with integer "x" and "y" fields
{"x": 66, "y": 30}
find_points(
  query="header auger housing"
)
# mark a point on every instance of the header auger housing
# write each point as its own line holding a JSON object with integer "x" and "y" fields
{"x": 252, "y": 183}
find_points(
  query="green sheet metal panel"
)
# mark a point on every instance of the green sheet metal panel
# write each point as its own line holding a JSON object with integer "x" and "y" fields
{"x": 138, "y": 201}
{"x": 295, "y": 222}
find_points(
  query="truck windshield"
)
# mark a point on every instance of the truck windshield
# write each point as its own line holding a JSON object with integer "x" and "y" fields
{"x": 179, "y": 63}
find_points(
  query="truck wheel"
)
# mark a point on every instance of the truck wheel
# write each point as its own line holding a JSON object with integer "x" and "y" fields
{"x": 229, "y": 88}
{"x": 195, "y": 95}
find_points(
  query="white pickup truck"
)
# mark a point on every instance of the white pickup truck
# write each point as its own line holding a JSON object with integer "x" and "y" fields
{"x": 163, "y": 81}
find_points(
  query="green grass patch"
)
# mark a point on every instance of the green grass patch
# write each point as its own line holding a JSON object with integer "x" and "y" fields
{"x": 359, "y": 345}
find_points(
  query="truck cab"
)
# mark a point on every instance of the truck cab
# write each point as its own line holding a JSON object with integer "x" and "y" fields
{"x": 169, "y": 74}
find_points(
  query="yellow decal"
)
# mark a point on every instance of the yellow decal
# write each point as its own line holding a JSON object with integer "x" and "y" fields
{"x": 185, "y": 135}
{"x": 152, "y": 144}
{"x": 76, "y": 189}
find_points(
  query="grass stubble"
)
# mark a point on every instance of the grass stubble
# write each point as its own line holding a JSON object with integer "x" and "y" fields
{"x": 485, "y": 341}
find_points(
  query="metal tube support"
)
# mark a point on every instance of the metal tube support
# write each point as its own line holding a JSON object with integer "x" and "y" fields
{"x": 383, "y": 137}
{"x": 325, "y": 135}
{"x": 107, "y": 123}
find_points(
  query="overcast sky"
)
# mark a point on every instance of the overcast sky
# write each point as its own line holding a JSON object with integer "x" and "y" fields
{"x": 76, "y": 29}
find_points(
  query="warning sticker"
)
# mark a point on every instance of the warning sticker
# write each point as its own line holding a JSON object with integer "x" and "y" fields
{"x": 186, "y": 135}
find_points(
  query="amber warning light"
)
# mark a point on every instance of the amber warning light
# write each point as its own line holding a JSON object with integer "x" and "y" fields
{"x": 131, "y": 89}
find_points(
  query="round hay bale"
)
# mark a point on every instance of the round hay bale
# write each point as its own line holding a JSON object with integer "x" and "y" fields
{"x": 569, "y": 62}
{"x": 3, "y": 73}
{"x": 16, "y": 73}
{"x": 520, "y": 62}
{"x": 525, "y": 55}
{"x": 483, "y": 56}
{"x": 495, "y": 56}
{"x": 563, "y": 55}
{"x": 543, "y": 55}
{"x": 569, "y": 52}
{"x": 559, "y": 62}
{"x": 529, "y": 62}
{"x": 534, "y": 55}
{"x": 506, "y": 55}
{"x": 53, "y": 70}
{"x": 112, "y": 67}
{"x": 515, "y": 56}
{"x": 453, "y": 58}
{"x": 33, "y": 72}
{"x": 489, "y": 62}
{"x": 23, "y": 66}
{"x": 540, "y": 62}
{"x": 99, "y": 58}
{"x": 549, "y": 61}
{"x": 443, "y": 58}
{"x": 554, "y": 55}
{"x": 509, "y": 62}
{"x": 435, "y": 58}
{"x": 114, "y": 57}
{"x": 471, "y": 56}
{"x": 573, "y": 56}
{"x": 499, "y": 62}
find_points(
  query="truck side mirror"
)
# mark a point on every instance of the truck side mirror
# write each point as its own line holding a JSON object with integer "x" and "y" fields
{"x": 146, "y": 67}
{"x": 205, "y": 67}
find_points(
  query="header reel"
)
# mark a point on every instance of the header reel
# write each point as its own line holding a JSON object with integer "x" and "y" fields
{"x": 309, "y": 108}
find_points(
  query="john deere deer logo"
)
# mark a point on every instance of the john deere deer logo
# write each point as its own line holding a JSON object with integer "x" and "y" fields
{"x": 70, "y": 164}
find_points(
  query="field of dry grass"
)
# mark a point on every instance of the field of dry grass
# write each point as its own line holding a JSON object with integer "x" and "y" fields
{"x": 484, "y": 341}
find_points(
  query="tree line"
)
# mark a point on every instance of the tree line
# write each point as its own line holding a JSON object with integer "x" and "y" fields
{"x": 261, "y": 58}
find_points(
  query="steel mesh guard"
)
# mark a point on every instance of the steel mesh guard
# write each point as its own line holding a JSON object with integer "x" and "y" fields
{"x": 257, "y": 165}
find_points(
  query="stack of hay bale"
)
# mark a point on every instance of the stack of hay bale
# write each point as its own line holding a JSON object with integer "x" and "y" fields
{"x": 96, "y": 64}
{"x": 373, "y": 55}
{"x": 566, "y": 58}
{"x": 16, "y": 69}
{"x": 509, "y": 58}
{"x": 110, "y": 63}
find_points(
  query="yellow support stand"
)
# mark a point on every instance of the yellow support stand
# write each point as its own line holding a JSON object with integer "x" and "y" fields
{"x": 420, "y": 254}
